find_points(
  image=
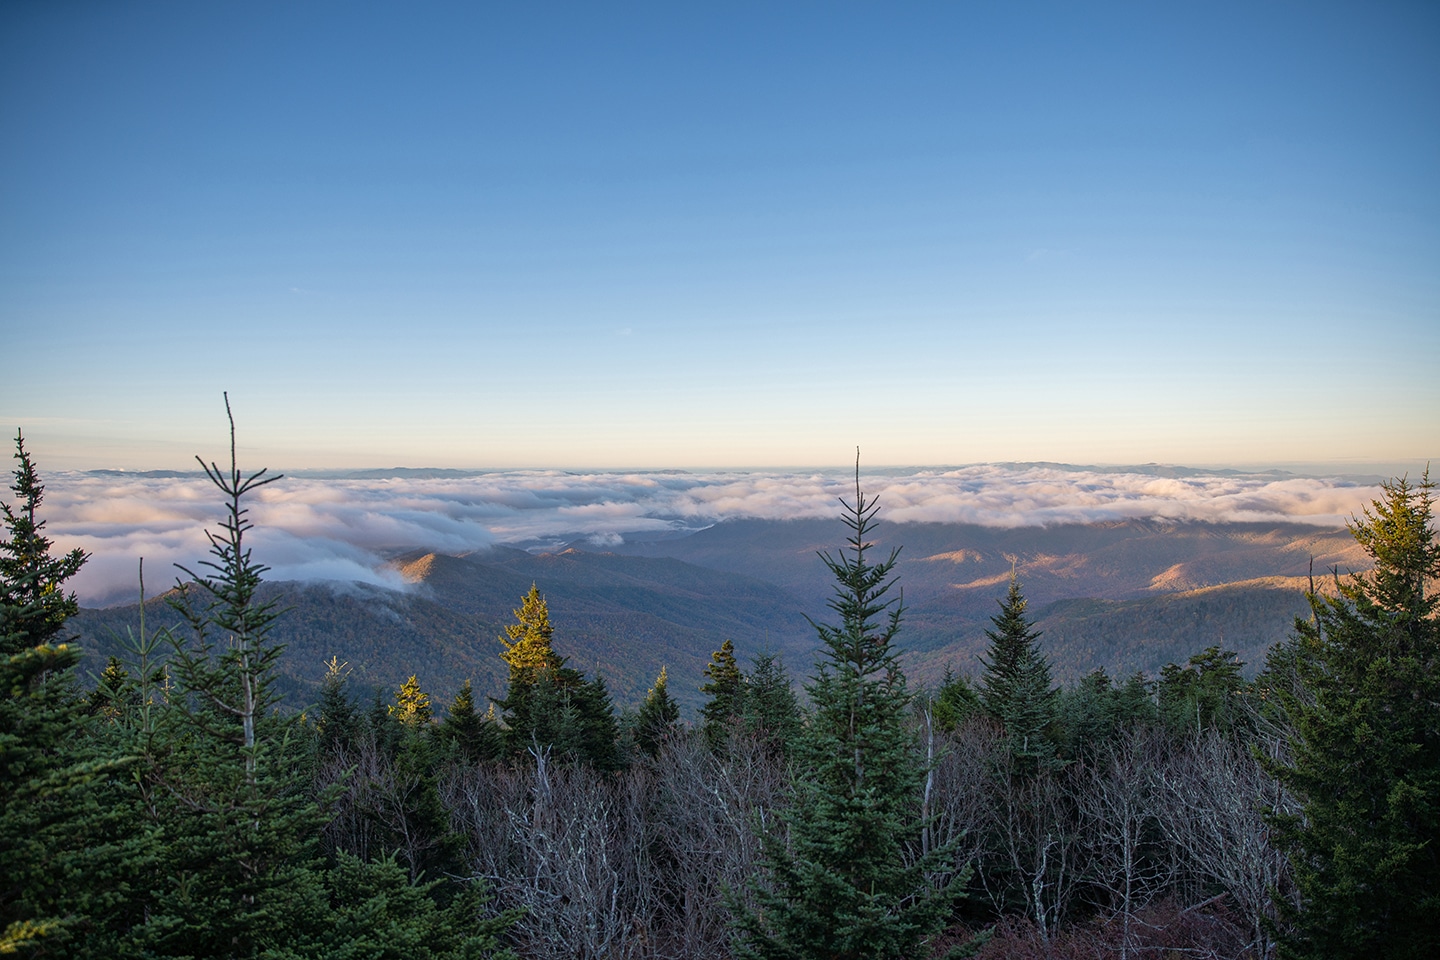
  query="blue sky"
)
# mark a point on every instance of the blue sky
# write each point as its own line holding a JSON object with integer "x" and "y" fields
{"x": 624, "y": 235}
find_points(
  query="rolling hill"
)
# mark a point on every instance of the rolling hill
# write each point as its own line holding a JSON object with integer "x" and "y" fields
{"x": 1125, "y": 596}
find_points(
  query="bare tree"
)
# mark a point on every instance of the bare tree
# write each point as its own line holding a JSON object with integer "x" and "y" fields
{"x": 574, "y": 854}
{"x": 1118, "y": 803}
{"x": 1216, "y": 799}
{"x": 960, "y": 802}
{"x": 1034, "y": 852}
{"x": 708, "y": 807}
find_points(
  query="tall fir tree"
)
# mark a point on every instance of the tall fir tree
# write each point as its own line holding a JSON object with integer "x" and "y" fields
{"x": 55, "y": 859}
{"x": 33, "y": 602}
{"x": 238, "y": 826}
{"x": 531, "y": 659}
{"x": 1015, "y": 688}
{"x": 469, "y": 735}
{"x": 546, "y": 703}
{"x": 770, "y": 709}
{"x": 1366, "y": 746}
{"x": 598, "y": 730}
{"x": 337, "y": 721}
{"x": 723, "y": 685}
{"x": 845, "y": 882}
{"x": 65, "y": 859}
{"x": 1208, "y": 693}
{"x": 658, "y": 719}
{"x": 412, "y": 705}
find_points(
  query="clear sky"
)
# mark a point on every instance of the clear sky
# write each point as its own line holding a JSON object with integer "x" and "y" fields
{"x": 599, "y": 235}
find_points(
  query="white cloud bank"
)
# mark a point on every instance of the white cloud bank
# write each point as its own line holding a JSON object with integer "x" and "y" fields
{"x": 340, "y": 529}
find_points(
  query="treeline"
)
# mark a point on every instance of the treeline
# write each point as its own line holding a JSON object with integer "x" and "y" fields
{"x": 172, "y": 811}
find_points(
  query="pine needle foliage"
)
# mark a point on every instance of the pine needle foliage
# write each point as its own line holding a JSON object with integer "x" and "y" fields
{"x": 846, "y": 879}
{"x": 1016, "y": 689}
{"x": 550, "y": 705}
{"x": 33, "y": 604}
{"x": 1366, "y": 746}
{"x": 235, "y": 818}
{"x": 723, "y": 685}
{"x": 659, "y": 717}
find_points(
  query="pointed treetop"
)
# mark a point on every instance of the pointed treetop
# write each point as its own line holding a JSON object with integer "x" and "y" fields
{"x": 412, "y": 705}
{"x": 530, "y": 636}
{"x": 33, "y": 605}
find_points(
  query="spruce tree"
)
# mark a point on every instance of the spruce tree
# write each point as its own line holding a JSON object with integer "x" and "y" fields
{"x": 528, "y": 653}
{"x": 658, "y": 718}
{"x": 33, "y": 604}
{"x": 337, "y": 720}
{"x": 66, "y": 856}
{"x": 1015, "y": 689}
{"x": 1366, "y": 746}
{"x": 955, "y": 703}
{"x": 599, "y": 731}
{"x": 1208, "y": 693}
{"x": 724, "y": 688}
{"x": 548, "y": 704}
{"x": 418, "y": 823}
{"x": 770, "y": 710}
{"x": 412, "y": 705}
{"x": 54, "y": 857}
{"x": 377, "y": 911}
{"x": 845, "y": 882}
{"x": 232, "y": 808}
{"x": 471, "y": 736}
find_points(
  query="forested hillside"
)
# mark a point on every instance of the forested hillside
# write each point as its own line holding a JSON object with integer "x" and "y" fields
{"x": 1122, "y": 596}
{"x": 625, "y": 617}
{"x": 176, "y": 811}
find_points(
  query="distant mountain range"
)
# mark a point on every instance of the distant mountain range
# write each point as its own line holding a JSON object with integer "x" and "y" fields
{"x": 1125, "y": 596}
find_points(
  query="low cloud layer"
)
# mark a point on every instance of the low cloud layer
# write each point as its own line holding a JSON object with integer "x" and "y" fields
{"x": 342, "y": 529}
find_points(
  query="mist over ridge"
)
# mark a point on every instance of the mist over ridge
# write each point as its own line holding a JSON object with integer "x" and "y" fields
{"x": 343, "y": 526}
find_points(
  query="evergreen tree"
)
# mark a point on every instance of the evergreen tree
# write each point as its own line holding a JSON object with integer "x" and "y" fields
{"x": 65, "y": 859}
{"x": 1086, "y": 714}
{"x": 238, "y": 827}
{"x": 1207, "y": 693}
{"x": 33, "y": 604}
{"x": 548, "y": 704}
{"x": 529, "y": 655}
{"x": 844, "y": 882}
{"x": 528, "y": 646}
{"x": 51, "y": 847}
{"x": 599, "y": 731}
{"x": 412, "y": 705}
{"x": 378, "y": 912}
{"x": 337, "y": 720}
{"x": 724, "y": 686}
{"x": 470, "y": 735}
{"x": 113, "y": 689}
{"x": 771, "y": 711}
{"x": 1015, "y": 689}
{"x": 658, "y": 718}
{"x": 1366, "y": 746}
{"x": 1134, "y": 706}
{"x": 955, "y": 702}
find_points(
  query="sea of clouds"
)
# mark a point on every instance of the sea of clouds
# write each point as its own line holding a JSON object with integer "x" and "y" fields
{"x": 342, "y": 529}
